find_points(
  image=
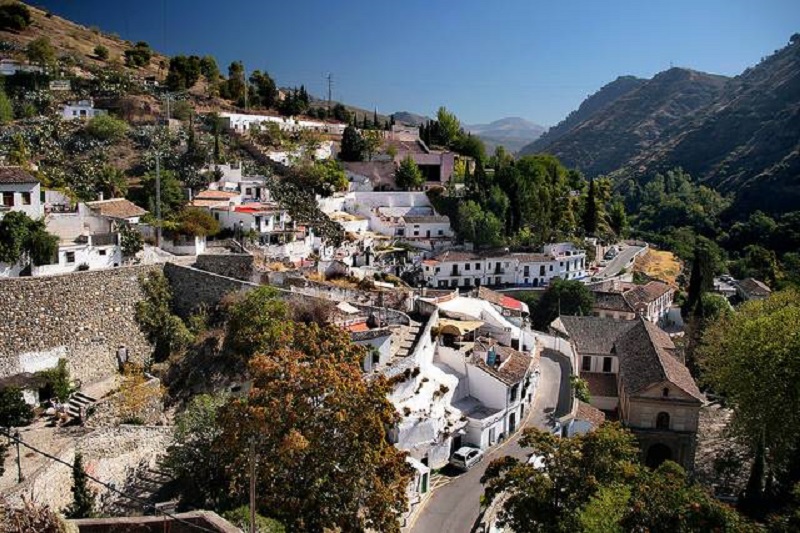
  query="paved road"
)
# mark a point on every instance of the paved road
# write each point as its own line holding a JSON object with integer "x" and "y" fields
{"x": 619, "y": 262}
{"x": 454, "y": 508}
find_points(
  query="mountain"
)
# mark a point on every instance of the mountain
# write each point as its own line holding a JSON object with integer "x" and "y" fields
{"x": 512, "y": 133}
{"x": 410, "y": 119}
{"x": 607, "y": 94}
{"x": 613, "y": 135}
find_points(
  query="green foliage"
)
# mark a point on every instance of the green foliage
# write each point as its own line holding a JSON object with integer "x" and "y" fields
{"x": 197, "y": 222}
{"x": 322, "y": 177}
{"x": 131, "y": 241}
{"x": 172, "y": 195}
{"x": 58, "y": 381}
{"x": 604, "y": 511}
{"x": 106, "y": 127}
{"x": 41, "y": 51}
{"x": 14, "y": 412}
{"x": 82, "y": 496}
{"x": 750, "y": 357}
{"x": 408, "y": 175}
{"x": 567, "y": 297}
{"x": 184, "y": 72}
{"x": 139, "y": 55}
{"x": 757, "y": 262}
{"x": 265, "y": 91}
{"x": 6, "y": 108}
{"x": 14, "y": 16}
{"x": 101, "y": 52}
{"x": 192, "y": 460}
{"x": 352, "y": 145}
{"x": 112, "y": 182}
{"x": 154, "y": 314}
{"x": 449, "y": 126}
{"x": 580, "y": 388}
{"x": 590, "y": 214}
{"x": 23, "y": 239}
{"x": 240, "y": 517}
{"x": 256, "y": 322}
{"x": 478, "y": 226}
{"x": 373, "y": 140}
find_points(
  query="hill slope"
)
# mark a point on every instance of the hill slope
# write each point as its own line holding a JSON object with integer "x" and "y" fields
{"x": 596, "y": 102}
{"x": 746, "y": 142}
{"x": 512, "y": 133}
{"x": 612, "y": 136}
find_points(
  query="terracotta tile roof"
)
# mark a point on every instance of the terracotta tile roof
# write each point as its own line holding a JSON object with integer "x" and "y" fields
{"x": 514, "y": 365}
{"x": 16, "y": 175}
{"x": 601, "y": 385}
{"x": 611, "y": 301}
{"x": 215, "y": 195}
{"x": 116, "y": 208}
{"x": 590, "y": 414}
{"x": 754, "y": 288}
{"x": 532, "y": 258}
{"x": 645, "y": 294}
{"x": 646, "y": 357}
{"x": 499, "y": 299}
{"x": 594, "y": 335}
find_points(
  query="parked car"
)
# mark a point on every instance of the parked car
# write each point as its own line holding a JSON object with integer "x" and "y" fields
{"x": 465, "y": 458}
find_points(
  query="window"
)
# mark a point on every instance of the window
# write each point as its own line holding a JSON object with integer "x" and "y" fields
{"x": 70, "y": 257}
{"x": 416, "y": 233}
{"x": 441, "y": 232}
{"x": 662, "y": 420}
{"x": 665, "y": 392}
{"x": 607, "y": 362}
{"x": 103, "y": 252}
{"x": 477, "y": 266}
{"x": 376, "y": 357}
{"x": 551, "y": 268}
{"x": 541, "y": 270}
{"x": 466, "y": 266}
{"x": 26, "y": 198}
{"x": 586, "y": 364}
{"x": 514, "y": 392}
{"x": 467, "y": 282}
{"x": 8, "y": 199}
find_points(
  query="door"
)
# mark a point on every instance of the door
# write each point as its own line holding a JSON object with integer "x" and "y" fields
{"x": 512, "y": 423}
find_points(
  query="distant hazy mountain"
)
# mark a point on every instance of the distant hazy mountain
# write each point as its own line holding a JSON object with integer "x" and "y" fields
{"x": 411, "y": 119}
{"x": 512, "y": 133}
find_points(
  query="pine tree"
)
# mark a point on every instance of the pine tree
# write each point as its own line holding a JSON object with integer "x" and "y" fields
{"x": 590, "y": 212}
{"x": 82, "y": 497}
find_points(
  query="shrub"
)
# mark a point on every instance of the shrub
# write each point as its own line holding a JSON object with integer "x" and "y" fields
{"x": 240, "y": 517}
{"x": 101, "y": 52}
{"x": 14, "y": 16}
{"x": 139, "y": 55}
{"x": 14, "y": 412}
{"x": 106, "y": 128}
{"x": 57, "y": 380}
{"x": 197, "y": 222}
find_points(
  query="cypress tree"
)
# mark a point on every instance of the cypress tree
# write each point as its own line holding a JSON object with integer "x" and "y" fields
{"x": 82, "y": 498}
{"x": 365, "y": 123}
{"x": 590, "y": 213}
{"x": 375, "y": 118}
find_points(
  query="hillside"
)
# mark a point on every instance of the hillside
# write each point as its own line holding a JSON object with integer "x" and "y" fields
{"x": 72, "y": 39}
{"x": 512, "y": 133}
{"x": 611, "y": 137}
{"x": 411, "y": 119}
{"x": 596, "y": 102}
{"x": 747, "y": 142}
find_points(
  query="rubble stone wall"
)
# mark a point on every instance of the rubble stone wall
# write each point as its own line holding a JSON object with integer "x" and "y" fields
{"x": 192, "y": 287}
{"x": 83, "y": 317}
{"x": 238, "y": 266}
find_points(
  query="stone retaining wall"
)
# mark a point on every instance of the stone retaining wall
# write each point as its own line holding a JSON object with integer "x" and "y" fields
{"x": 237, "y": 266}
{"x": 83, "y": 317}
{"x": 192, "y": 287}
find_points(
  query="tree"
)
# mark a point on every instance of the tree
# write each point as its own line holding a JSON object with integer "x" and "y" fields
{"x": 6, "y": 108}
{"x": 184, "y": 72}
{"x": 82, "y": 496}
{"x": 101, "y": 52}
{"x": 14, "y": 412}
{"x": 24, "y": 239}
{"x": 192, "y": 460}
{"x": 757, "y": 262}
{"x": 197, "y": 222}
{"x": 323, "y": 177}
{"x": 572, "y": 471}
{"x": 478, "y": 226}
{"x": 165, "y": 330}
{"x": 240, "y": 517}
{"x": 317, "y": 429}
{"x": 172, "y": 195}
{"x": 751, "y": 359}
{"x": 107, "y": 128}
{"x": 210, "y": 71}
{"x": 618, "y": 218}
{"x": 590, "y": 218}
{"x": 372, "y": 142}
{"x": 31, "y": 517}
{"x": 449, "y": 126}
{"x": 14, "y": 16}
{"x": 255, "y": 322}
{"x": 130, "y": 240}
{"x": 41, "y": 52}
{"x": 352, "y": 145}
{"x": 701, "y": 279}
{"x": 266, "y": 91}
{"x": 562, "y": 297}
{"x": 112, "y": 182}
{"x": 139, "y": 55}
{"x": 408, "y": 175}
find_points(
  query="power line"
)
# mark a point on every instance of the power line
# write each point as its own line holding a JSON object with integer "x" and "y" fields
{"x": 136, "y": 499}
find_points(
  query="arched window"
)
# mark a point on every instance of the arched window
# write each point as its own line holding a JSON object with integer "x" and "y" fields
{"x": 662, "y": 420}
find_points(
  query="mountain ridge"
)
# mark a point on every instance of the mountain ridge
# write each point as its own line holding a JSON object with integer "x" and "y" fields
{"x": 510, "y": 132}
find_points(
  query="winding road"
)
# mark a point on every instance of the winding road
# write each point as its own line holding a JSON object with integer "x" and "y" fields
{"x": 454, "y": 507}
{"x": 623, "y": 260}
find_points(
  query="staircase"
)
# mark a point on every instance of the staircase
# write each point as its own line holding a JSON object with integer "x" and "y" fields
{"x": 409, "y": 339}
{"x": 77, "y": 400}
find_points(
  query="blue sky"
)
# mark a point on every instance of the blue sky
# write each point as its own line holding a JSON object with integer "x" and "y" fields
{"x": 483, "y": 60}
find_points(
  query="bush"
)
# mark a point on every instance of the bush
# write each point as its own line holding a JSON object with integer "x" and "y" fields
{"x": 57, "y": 380}
{"x": 197, "y": 222}
{"x": 14, "y": 16}
{"x": 240, "y": 517}
{"x": 14, "y": 412}
{"x": 107, "y": 128}
{"x": 139, "y": 55}
{"x": 101, "y": 52}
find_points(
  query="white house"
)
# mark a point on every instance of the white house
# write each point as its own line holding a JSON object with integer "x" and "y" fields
{"x": 9, "y": 67}
{"x": 20, "y": 191}
{"x": 471, "y": 269}
{"x": 84, "y": 109}
{"x": 243, "y": 123}
{"x": 625, "y": 301}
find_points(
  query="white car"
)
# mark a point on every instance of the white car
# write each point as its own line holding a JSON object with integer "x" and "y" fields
{"x": 465, "y": 458}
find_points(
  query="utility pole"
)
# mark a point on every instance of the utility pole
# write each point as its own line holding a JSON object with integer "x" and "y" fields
{"x": 158, "y": 198}
{"x": 330, "y": 92}
{"x": 20, "y": 477}
{"x": 252, "y": 485}
{"x": 244, "y": 81}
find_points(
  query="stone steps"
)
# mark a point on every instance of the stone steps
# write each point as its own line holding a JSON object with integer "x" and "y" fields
{"x": 76, "y": 401}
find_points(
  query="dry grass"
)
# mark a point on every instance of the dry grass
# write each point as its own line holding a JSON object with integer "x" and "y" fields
{"x": 659, "y": 265}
